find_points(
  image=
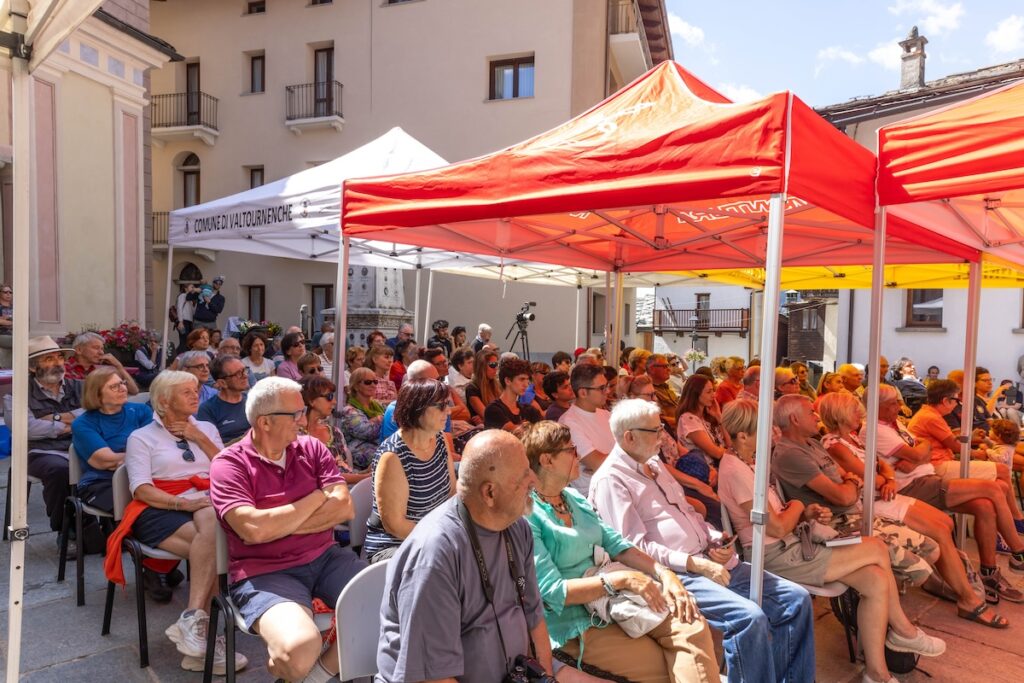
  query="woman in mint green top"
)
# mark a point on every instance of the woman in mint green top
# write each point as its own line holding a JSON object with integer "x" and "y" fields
{"x": 566, "y": 531}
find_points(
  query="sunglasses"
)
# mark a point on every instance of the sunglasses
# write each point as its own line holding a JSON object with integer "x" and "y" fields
{"x": 186, "y": 453}
{"x": 314, "y": 370}
{"x": 368, "y": 382}
{"x": 329, "y": 396}
{"x": 492, "y": 365}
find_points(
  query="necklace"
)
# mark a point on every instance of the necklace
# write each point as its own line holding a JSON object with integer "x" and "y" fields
{"x": 557, "y": 502}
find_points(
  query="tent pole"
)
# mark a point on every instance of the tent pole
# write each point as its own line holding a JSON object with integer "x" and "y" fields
{"x": 576, "y": 341}
{"x": 770, "y": 328}
{"x": 970, "y": 360}
{"x": 874, "y": 380}
{"x": 341, "y": 314}
{"x": 607, "y": 308}
{"x": 167, "y": 306}
{"x": 18, "y": 422}
{"x": 620, "y": 307}
{"x": 416, "y": 329}
{"x": 430, "y": 301}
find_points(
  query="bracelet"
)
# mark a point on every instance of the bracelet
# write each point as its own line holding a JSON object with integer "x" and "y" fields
{"x": 177, "y": 501}
{"x": 608, "y": 588}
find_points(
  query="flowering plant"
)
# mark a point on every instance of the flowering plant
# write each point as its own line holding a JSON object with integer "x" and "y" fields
{"x": 694, "y": 356}
{"x": 128, "y": 336}
{"x": 271, "y": 329}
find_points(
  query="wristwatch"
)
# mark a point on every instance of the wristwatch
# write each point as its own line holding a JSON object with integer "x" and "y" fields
{"x": 56, "y": 417}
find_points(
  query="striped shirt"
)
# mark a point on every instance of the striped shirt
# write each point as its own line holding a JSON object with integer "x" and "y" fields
{"x": 429, "y": 486}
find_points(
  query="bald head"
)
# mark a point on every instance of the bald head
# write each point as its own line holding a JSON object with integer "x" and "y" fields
{"x": 421, "y": 369}
{"x": 486, "y": 458}
{"x": 852, "y": 376}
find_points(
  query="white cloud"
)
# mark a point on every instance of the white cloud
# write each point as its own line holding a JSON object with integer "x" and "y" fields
{"x": 688, "y": 33}
{"x": 836, "y": 53}
{"x": 737, "y": 92}
{"x": 934, "y": 17}
{"x": 888, "y": 55}
{"x": 1007, "y": 36}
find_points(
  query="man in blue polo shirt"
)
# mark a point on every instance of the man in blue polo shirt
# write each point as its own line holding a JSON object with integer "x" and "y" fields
{"x": 226, "y": 410}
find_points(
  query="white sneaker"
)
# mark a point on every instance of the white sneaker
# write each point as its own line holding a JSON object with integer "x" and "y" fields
{"x": 922, "y": 643}
{"x": 219, "y": 661}
{"x": 188, "y": 633}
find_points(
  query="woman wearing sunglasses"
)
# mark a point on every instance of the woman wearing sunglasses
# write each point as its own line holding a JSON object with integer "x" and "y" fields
{"x": 361, "y": 417}
{"x": 318, "y": 392}
{"x": 484, "y": 387}
{"x": 168, "y": 463}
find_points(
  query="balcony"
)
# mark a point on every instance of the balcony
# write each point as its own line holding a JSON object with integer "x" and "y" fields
{"x": 184, "y": 116}
{"x": 161, "y": 227}
{"x": 628, "y": 40}
{"x": 703, "y": 320}
{"x": 309, "y": 106}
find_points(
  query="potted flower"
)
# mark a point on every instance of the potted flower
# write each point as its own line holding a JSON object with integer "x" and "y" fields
{"x": 693, "y": 357}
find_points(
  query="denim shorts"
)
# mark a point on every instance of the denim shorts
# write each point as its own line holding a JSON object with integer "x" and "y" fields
{"x": 322, "y": 578}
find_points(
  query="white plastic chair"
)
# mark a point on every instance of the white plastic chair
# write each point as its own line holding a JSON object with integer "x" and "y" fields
{"x": 358, "y": 620}
{"x": 362, "y": 502}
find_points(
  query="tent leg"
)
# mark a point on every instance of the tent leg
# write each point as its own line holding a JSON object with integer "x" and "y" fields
{"x": 874, "y": 354}
{"x": 970, "y": 361}
{"x": 416, "y": 329}
{"x": 620, "y": 307}
{"x": 341, "y": 315}
{"x": 576, "y": 339}
{"x": 770, "y": 328}
{"x": 430, "y": 301}
{"x": 18, "y": 422}
{"x": 607, "y": 309}
{"x": 167, "y": 306}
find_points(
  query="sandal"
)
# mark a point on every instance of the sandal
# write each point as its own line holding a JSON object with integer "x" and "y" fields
{"x": 997, "y": 621}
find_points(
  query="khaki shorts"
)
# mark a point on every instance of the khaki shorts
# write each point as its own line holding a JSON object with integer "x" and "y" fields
{"x": 979, "y": 469}
{"x": 930, "y": 489}
{"x": 786, "y": 559}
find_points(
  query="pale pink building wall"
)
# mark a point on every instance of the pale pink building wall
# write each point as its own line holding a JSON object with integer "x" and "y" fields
{"x": 47, "y": 266}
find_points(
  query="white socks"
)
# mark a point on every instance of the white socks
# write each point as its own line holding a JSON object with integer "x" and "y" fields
{"x": 318, "y": 674}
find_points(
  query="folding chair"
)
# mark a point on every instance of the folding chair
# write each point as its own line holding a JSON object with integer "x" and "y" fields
{"x": 138, "y": 552}
{"x": 362, "y": 502}
{"x": 357, "y": 616}
{"x": 7, "y": 506}
{"x": 841, "y": 597}
{"x": 77, "y": 508}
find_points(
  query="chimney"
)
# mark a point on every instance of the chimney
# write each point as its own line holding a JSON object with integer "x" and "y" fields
{"x": 912, "y": 68}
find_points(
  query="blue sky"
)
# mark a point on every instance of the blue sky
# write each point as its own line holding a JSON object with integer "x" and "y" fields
{"x": 828, "y": 51}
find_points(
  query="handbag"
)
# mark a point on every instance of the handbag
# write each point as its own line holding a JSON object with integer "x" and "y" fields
{"x": 627, "y": 609}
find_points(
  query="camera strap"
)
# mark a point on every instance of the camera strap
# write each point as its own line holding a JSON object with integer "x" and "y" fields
{"x": 485, "y": 578}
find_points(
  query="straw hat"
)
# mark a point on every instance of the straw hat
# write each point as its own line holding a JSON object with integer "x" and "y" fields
{"x": 40, "y": 346}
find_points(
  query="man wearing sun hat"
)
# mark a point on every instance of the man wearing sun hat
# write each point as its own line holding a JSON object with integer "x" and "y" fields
{"x": 54, "y": 401}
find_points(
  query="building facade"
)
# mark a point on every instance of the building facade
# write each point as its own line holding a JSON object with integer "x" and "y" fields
{"x": 268, "y": 89}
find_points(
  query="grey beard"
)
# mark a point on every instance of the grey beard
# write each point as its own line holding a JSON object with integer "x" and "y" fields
{"x": 52, "y": 375}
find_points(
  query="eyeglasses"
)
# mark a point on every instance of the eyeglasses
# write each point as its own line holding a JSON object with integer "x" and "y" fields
{"x": 186, "y": 453}
{"x": 597, "y": 387}
{"x": 656, "y": 430}
{"x": 296, "y": 415}
{"x": 316, "y": 370}
{"x": 6, "y": 291}
{"x": 949, "y": 398}
{"x": 118, "y": 386}
{"x": 492, "y": 364}
{"x": 657, "y": 365}
{"x": 236, "y": 375}
{"x": 568, "y": 449}
{"x": 329, "y": 396}
{"x": 196, "y": 366}
{"x": 368, "y": 382}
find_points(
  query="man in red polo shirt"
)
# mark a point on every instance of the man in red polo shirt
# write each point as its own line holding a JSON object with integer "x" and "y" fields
{"x": 278, "y": 496}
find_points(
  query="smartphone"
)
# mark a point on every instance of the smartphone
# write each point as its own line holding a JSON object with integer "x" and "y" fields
{"x": 723, "y": 541}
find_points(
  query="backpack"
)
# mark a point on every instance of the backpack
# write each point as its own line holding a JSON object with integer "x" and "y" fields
{"x": 172, "y": 314}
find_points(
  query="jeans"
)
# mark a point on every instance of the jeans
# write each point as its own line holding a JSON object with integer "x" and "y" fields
{"x": 782, "y": 626}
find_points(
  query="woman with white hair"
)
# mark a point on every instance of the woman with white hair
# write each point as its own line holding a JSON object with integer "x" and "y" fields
{"x": 168, "y": 463}
{"x": 197, "y": 364}
{"x": 864, "y": 567}
{"x": 326, "y": 355}
{"x": 843, "y": 415}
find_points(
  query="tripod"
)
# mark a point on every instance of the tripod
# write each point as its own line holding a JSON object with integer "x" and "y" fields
{"x": 522, "y": 336}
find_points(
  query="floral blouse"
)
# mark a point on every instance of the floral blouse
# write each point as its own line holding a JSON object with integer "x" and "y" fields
{"x": 362, "y": 435}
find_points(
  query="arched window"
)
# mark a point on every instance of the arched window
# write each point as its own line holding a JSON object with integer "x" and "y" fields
{"x": 190, "y": 273}
{"x": 189, "y": 169}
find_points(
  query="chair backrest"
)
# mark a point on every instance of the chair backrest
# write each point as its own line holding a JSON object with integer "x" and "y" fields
{"x": 358, "y": 620}
{"x": 141, "y": 397}
{"x": 122, "y": 496}
{"x": 74, "y": 467}
{"x": 222, "y": 550}
{"x": 362, "y": 502}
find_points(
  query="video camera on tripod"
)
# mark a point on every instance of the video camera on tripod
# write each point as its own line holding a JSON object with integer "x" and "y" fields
{"x": 523, "y": 318}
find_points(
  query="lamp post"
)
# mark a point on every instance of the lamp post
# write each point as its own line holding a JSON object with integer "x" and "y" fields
{"x": 693, "y": 333}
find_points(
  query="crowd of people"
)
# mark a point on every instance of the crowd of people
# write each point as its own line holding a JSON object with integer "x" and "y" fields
{"x": 570, "y": 517}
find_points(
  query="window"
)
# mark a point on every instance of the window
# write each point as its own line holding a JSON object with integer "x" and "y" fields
{"x": 257, "y": 302}
{"x": 257, "y": 73}
{"x": 256, "y": 7}
{"x": 190, "y": 180}
{"x": 323, "y": 77}
{"x": 255, "y": 176}
{"x": 511, "y": 78}
{"x": 597, "y": 313}
{"x": 323, "y": 297}
{"x": 703, "y": 311}
{"x": 810, "y": 318}
{"x": 924, "y": 308}
{"x": 192, "y": 93}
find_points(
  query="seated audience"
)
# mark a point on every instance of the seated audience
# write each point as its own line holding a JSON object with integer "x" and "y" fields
{"x": 309, "y": 364}
{"x": 732, "y": 382}
{"x": 843, "y": 415}
{"x": 355, "y": 357}
{"x": 786, "y": 383}
{"x": 698, "y": 430}
{"x": 440, "y": 340}
{"x": 562, "y": 362}
{"x": 587, "y": 421}
{"x": 254, "y": 345}
{"x": 216, "y": 337}
{"x": 587, "y": 359}
{"x": 559, "y": 388}
{"x": 437, "y": 621}
{"x": 318, "y": 393}
{"x": 278, "y": 496}
{"x": 147, "y": 360}
{"x": 506, "y": 412}
{"x": 380, "y": 359}
{"x": 361, "y": 417}
{"x": 911, "y": 388}
{"x": 634, "y": 494}
{"x": 230, "y": 347}
{"x": 460, "y": 371}
{"x": 458, "y": 337}
{"x": 226, "y": 410}
{"x": 89, "y": 354}
{"x": 168, "y": 464}
{"x": 751, "y": 384}
{"x": 199, "y": 340}
{"x": 413, "y": 471}
{"x": 535, "y": 394}
{"x": 566, "y": 534}
{"x": 483, "y": 337}
{"x": 637, "y": 361}
{"x": 668, "y": 399}
{"x": 484, "y": 388}
{"x": 420, "y": 369}
{"x": 830, "y": 382}
{"x": 677, "y": 372}
{"x": 852, "y": 377}
{"x": 326, "y": 355}
{"x": 1005, "y": 437}
{"x": 197, "y": 364}
{"x": 864, "y": 567}
{"x": 293, "y": 347}
{"x": 376, "y": 338}
{"x": 406, "y": 351}
{"x": 802, "y": 373}
{"x": 405, "y": 331}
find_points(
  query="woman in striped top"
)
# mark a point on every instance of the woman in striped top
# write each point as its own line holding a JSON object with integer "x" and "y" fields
{"x": 413, "y": 472}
